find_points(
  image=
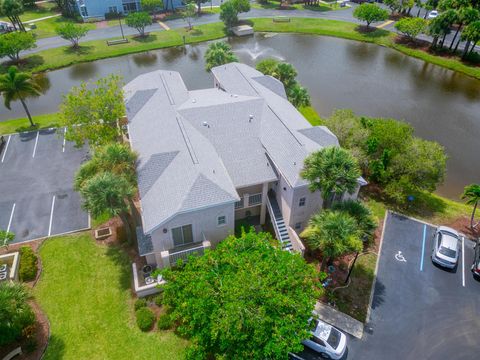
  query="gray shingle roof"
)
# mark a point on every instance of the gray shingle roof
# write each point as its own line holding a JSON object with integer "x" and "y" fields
{"x": 196, "y": 147}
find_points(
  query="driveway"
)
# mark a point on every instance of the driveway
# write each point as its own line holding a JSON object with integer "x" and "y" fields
{"x": 37, "y": 197}
{"x": 420, "y": 311}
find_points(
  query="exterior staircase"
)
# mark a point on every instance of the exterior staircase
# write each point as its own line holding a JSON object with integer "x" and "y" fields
{"x": 278, "y": 223}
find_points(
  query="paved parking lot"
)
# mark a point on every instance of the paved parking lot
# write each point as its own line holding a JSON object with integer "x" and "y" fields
{"x": 420, "y": 311}
{"x": 36, "y": 176}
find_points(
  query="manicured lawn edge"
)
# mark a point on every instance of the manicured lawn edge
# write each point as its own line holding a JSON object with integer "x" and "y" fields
{"x": 96, "y": 50}
{"x": 43, "y": 121}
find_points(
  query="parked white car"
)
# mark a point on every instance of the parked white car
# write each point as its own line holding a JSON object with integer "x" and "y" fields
{"x": 5, "y": 27}
{"x": 329, "y": 342}
{"x": 432, "y": 14}
{"x": 446, "y": 247}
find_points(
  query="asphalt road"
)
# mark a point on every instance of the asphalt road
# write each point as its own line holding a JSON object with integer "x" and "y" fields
{"x": 37, "y": 198}
{"x": 420, "y": 311}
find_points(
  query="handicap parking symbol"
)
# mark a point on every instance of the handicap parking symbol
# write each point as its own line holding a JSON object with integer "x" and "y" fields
{"x": 399, "y": 257}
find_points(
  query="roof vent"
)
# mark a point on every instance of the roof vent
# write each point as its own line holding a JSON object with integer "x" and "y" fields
{"x": 194, "y": 101}
{"x": 205, "y": 124}
{"x": 250, "y": 118}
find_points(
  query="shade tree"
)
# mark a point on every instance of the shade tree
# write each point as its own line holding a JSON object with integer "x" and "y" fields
{"x": 247, "y": 299}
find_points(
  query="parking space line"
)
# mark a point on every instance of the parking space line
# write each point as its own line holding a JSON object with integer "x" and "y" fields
{"x": 36, "y": 142}
{"x": 51, "y": 217}
{"x": 6, "y": 148}
{"x": 423, "y": 246}
{"x": 11, "y": 218}
{"x": 64, "y": 138}
{"x": 463, "y": 261}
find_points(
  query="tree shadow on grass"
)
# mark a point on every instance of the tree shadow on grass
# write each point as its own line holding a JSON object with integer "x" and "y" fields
{"x": 371, "y": 32}
{"x": 55, "y": 347}
{"x": 145, "y": 39}
{"x": 80, "y": 50}
{"x": 118, "y": 254}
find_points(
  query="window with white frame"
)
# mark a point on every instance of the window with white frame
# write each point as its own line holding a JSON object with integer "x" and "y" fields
{"x": 302, "y": 201}
{"x": 182, "y": 235}
{"x": 221, "y": 220}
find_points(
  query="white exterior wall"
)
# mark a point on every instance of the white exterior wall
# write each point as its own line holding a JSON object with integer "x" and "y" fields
{"x": 313, "y": 203}
{"x": 284, "y": 194}
{"x": 202, "y": 221}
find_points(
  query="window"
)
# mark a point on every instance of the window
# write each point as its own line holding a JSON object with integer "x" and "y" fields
{"x": 129, "y": 7}
{"x": 112, "y": 9}
{"x": 298, "y": 226}
{"x": 84, "y": 11}
{"x": 302, "y": 201}
{"x": 182, "y": 235}
{"x": 221, "y": 220}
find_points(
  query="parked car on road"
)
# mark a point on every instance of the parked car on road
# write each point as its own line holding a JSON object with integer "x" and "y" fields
{"x": 476, "y": 261}
{"x": 446, "y": 247}
{"x": 432, "y": 14}
{"x": 329, "y": 342}
{"x": 5, "y": 27}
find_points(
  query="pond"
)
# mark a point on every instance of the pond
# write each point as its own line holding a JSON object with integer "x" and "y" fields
{"x": 441, "y": 105}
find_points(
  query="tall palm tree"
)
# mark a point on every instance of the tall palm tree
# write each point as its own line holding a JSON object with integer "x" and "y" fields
{"x": 363, "y": 216}
{"x": 15, "y": 85}
{"x": 334, "y": 233}
{"x": 333, "y": 171}
{"x": 108, "y": 193}
{"x": 472, "y": 194}
{"x": 116, "y": 158}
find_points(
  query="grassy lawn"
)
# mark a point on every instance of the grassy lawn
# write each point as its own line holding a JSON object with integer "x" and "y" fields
{"x": 85, "y": 292}
{"x": 275, "y": 5}
{"x": 37, "y": 12}
{"x": 354, "y": 299}
{"x": 311, "y": 115}
{"x": 431, "y": 208}
{"x": 22, "y": 124}
{"x": 46, "y": 28}
{"x": 94, "y": 50}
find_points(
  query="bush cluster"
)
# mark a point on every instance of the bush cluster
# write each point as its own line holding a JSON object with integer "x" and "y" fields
{"x": 140, "y": 303}
{"x": 165, "y": 322}
{"x": 145, "y": 318}
{"x": 28, "y": 264}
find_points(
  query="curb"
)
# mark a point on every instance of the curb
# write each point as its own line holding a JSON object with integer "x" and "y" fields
{"x": 372, "y": 290}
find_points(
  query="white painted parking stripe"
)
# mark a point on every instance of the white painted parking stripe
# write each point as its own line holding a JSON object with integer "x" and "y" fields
{"x": 463, "y": 261}
{"x": 423, "y": 246}
{"x": 11, "y": 218}
{"x": 64, "y": 134}
{"x": 6, "y": 148}
{"x": 51, "y": 217}
{"x": 35, "y": 147}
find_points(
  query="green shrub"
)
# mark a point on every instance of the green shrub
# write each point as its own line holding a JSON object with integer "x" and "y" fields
{"x": 158, "y": 300}
{"x": 28, "y": 264}
{"x": 145, "y": 318}
{"x": 140, "y": 303}
{"x": 165, "y": 322}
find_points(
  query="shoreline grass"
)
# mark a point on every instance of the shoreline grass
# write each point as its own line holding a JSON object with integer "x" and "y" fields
{"x": 43, "y": 121}
{"x": 57, "y": 58}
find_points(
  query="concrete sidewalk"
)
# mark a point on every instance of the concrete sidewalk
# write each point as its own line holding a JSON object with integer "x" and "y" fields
{"x": 340, "y": 320}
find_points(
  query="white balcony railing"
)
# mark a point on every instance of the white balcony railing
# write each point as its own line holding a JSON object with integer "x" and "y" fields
{"x": 184, "y": 254}
{"x": 249, "y": 201}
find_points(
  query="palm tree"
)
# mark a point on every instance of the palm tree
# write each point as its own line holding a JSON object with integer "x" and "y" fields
{"x": 108, "y": 193}
{"x": 472, "y": 194}
{"x": 15, "y": 85}
{"x": 333, "y": 171}
{"x": 298, "y": 96}
{"x": 334, "y": 233}
{"x": 218, "y": 53}
{"x": 116, "y": 158}
{"x": 286, "y": 73}
{"x": 363, "y": 216}
{"x": 16, "y": 313}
